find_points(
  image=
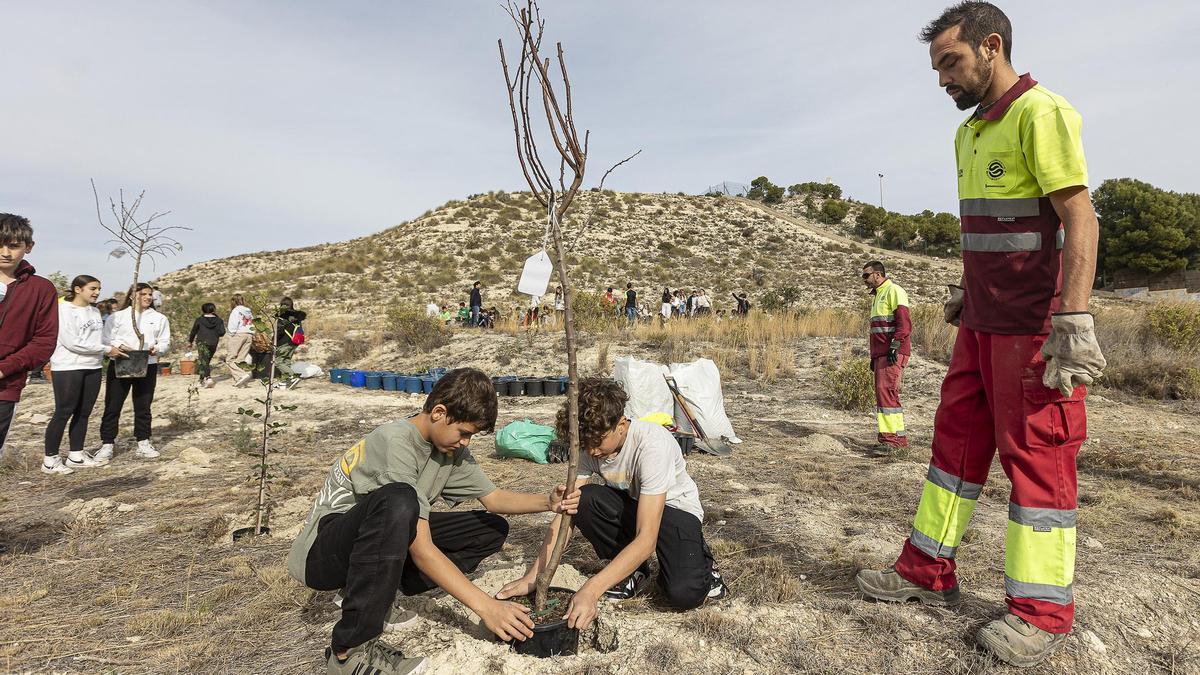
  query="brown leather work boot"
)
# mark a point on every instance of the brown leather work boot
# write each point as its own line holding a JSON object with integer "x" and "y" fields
{"x": 1017, "y": 642}
{"x": 889, "y": 586}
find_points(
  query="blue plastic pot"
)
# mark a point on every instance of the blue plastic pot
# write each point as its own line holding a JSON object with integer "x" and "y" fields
{"x": 333, "y": 375}
{"x": 390, "y": 381}
{"x": 427, "y": 384}
{"x": 412, "y": 384}
{"x": 374, "y": 381}
{"x": 358, "y": 378}
{"x": 564, "y": 383}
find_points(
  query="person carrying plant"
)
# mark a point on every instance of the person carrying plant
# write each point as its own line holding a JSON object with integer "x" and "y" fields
{"x": 647, "y": 504}
{"x": 1026, "y": 347}
{"x": 206, "y": 331}
{"x": 289, "y": 334}
{"x": 156, "y": 337}
{"x": 890, "y": 326}
{"x": 77, "y": 364}
{"x": 372, "y": 535}
{"x": 28, "y": 315}
{"x": 241, "y": 336}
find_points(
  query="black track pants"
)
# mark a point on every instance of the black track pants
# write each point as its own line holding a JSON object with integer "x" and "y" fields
{"x": 75, "y": 393}
{"x": 116, "y": 390}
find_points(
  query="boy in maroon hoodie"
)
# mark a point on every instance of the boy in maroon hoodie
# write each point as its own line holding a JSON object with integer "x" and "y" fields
{"x": 28, "y": 315}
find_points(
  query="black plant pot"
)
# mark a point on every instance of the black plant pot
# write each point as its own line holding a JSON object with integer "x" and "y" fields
{"x": 516, "y": 388}
{"x": 243, "y": 532}
{"x": 550, "y": 386}
{"x": 533, "y": 386}
{"x": 550, "y": 639}
{"x": 135, "y": 365}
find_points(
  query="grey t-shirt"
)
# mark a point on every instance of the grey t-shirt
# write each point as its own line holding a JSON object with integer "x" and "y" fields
{"x": 392, "y": 453}
{"x": 648, "y": 463}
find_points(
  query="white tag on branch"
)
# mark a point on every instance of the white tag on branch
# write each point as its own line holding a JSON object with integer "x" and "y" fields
{"x": 535, "y": 277}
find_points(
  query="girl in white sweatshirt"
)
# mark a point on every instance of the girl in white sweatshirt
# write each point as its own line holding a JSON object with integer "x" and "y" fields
{"x": 240, "y": 334}
{"x": 118, "y": 331}
{"x": 76, "y": 366}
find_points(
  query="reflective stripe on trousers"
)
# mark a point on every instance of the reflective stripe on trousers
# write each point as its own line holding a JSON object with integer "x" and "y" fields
{"x": 1039, "y": 560}
{"x": 947, "y": 503}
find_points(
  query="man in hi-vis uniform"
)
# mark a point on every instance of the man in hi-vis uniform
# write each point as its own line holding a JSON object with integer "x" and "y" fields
{"x": 1025, "y": 347}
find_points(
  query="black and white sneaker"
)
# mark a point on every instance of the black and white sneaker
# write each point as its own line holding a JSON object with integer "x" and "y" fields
{"x": 717, "y": 588}
{"x": 634, "y": 585}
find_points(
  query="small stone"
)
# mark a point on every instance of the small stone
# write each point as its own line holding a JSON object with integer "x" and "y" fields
{"x": 720, "y": 522}
{"x": 803, "y": 577}
{"x": 38, "y": 418}
{"x": 125, "y": 508}
{"x": 1093, "y": 543}
{"x": 1093, "y": 642}
{"x": 1144, "y": 633}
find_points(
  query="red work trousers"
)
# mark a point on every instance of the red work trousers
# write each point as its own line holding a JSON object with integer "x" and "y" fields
{"x": 993, "y": 399}
{"x": 889, "y": 414}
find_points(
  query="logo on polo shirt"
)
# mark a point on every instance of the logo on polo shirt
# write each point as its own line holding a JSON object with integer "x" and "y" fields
{"x": 995, "y": 169}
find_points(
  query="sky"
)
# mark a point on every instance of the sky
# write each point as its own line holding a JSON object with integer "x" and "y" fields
{"x": 270, "y": 125}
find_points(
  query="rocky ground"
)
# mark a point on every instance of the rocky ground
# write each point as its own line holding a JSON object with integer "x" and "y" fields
{"x": 132, "y": 569}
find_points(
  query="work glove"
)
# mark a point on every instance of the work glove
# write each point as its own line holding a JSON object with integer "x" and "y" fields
{"x": 1072, "y": 354}
{"x": 953, "y": 307}
{"x": 893, "y": 352}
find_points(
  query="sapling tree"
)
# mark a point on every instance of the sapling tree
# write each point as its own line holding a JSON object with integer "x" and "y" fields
{"x": 266, "y": 321}
{"x": 139, "y": 237}
{"x": 533, "y": 95}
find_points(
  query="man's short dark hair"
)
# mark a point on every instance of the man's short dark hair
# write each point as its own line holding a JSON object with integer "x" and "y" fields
{"x": 208, "y": 308}
{"x": 875, "y": 266}
{"x": 469, "y": 396}
{"x": 15, "y": 229}
{"x": 976, "y": 21}
{"x": 601, "y": 406}
{"x": 474, "y": 284}
{"x": 629, "y": 285}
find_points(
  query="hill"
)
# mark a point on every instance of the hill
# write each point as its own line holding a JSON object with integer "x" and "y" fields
{"x": 722, "y": 244}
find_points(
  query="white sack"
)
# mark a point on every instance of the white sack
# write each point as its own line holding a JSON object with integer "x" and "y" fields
{"x": 306, "y": 370}
{"x": 699, "y": 383}
{"x": 647, "y": 389}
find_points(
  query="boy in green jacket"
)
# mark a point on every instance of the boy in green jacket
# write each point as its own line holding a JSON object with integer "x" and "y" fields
{"x": 372, "y": 535}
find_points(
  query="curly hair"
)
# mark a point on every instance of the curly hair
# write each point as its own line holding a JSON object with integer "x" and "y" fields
{"x": 601, "y": 405}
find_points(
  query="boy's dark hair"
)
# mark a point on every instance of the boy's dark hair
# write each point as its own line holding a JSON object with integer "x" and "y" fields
{"x": 208, "y": 308}
{"x": 629, "y": 285}
{"x": 286, "y": 303}
{"x": 601, "y": 405}
{"x": 15, "y": 229}
{"x": 469, "y": 396}
{"x": 976, "y": 21}
{"x": 474, "y": 284}
{"x": 875, "y": 266}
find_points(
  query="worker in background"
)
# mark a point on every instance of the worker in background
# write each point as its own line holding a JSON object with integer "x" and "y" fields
{"x": 889, "y": 331}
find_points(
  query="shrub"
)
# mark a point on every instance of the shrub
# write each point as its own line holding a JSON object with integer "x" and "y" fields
{"x": 780, "y": 299}
{"x": 1176, "y": 326}
{"x": 834, "y": 211}
{"x": 850, "y": 384}
{"x": 411, "y": 327}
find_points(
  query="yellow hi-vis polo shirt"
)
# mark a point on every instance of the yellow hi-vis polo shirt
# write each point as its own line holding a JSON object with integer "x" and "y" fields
{"x": 1010, "y": 156}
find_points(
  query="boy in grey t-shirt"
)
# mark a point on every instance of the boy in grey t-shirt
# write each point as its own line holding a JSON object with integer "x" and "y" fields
{"x": 647, "y": 504}
{"x": 371, "y": 533}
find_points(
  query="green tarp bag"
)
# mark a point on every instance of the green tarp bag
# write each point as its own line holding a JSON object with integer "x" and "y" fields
{"x": 525, "y": 439}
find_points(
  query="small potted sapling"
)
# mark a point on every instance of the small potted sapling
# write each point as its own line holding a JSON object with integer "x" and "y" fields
{"x": 141, "y": 239}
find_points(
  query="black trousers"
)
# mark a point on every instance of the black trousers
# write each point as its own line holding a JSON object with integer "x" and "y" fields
{"x": 116, "y": 390}
{"x": 364, "y": 552}
{"x": 608, "y": 519}
{"x": 6, "y": 415}
{"x": 75, "y": 393}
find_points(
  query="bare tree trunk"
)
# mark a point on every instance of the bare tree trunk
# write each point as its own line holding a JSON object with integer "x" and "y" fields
{"x": 135, "y": 303}
{"x": 547, "y": 575}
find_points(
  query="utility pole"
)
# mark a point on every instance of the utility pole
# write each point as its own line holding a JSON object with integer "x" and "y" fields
{"x": 881, "y": 191}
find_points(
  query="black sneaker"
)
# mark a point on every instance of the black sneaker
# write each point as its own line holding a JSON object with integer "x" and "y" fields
{"x": 634, "y": 585}
{"x": 716, "y": 588}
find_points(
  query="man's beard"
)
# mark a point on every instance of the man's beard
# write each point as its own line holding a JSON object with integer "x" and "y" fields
{"x": 974, "y": 91}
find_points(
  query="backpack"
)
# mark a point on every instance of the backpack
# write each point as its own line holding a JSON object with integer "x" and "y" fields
{"x": 297, "y": 335}
{"x": 260, "y": 343}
